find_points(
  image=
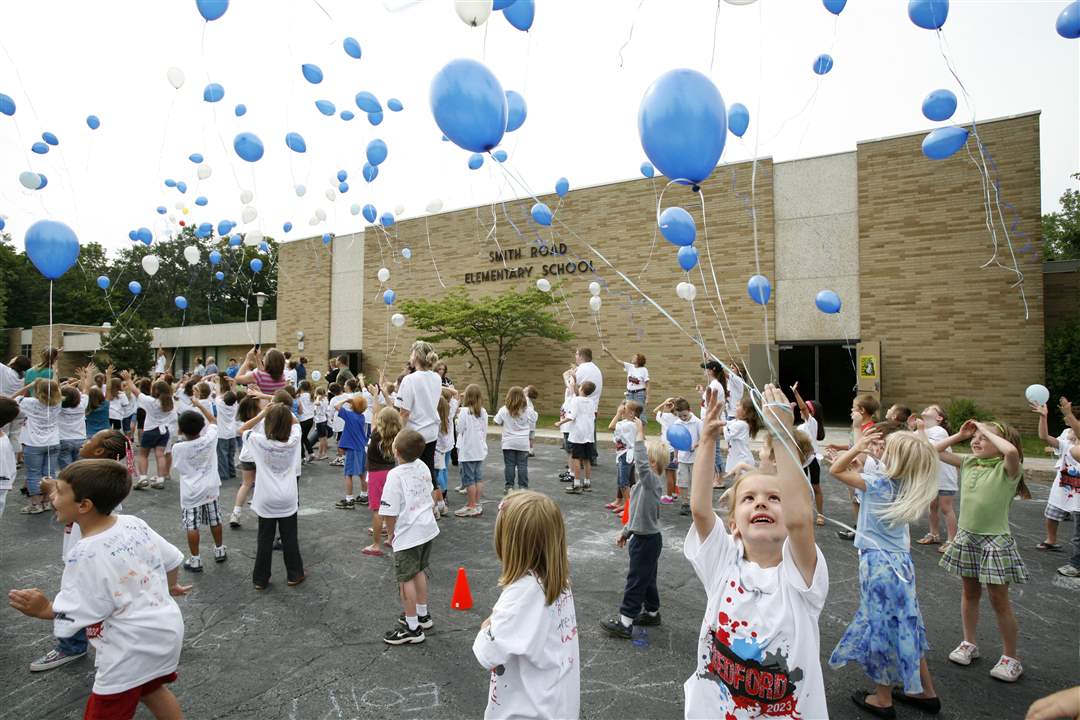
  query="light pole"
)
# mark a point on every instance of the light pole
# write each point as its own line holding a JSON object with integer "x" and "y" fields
{"x": 260, "y": 300}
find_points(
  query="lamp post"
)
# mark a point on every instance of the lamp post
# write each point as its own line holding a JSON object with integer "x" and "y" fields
{"x": 260, "y": 300}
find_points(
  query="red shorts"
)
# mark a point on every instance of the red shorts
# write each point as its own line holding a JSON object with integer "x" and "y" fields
{"x": 376, "y": 479}
{"x": 122, "y": 706}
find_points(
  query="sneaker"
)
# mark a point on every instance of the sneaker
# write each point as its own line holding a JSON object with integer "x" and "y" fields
{"x": 615, "y": 628}
{"x": 234, "y": 520}
{"x": 964, "y": 653}
{"x": 574, "y": 490}
{"x": 444, "y": 509}
{"x": 142, "y": 483}
{"x": 588, "y": 486}
{"x": 193, "y": 564}
{"x": 685, "y": 509}
{"x": 645, "y": 619}
{"x": 345, "y": 504}
{"x": 403, "y": 635}
{"x": 1068, "y": 571}
{"x": 221, "y": 554}
{"x": 461, "y": 490}
{"x": 566, "y": 476}
{"x": 845, "y": 535}
{"x": 32, "y": 509}
{"x": 158, "y": 483}
{"x": 54, "y": 659}
{"x": 467, "y": 511}
{"x": 425, "y": 621}
{"x": 362, "y": 499}
{"x": 667, "y": 499}
{"x": 1007, "y": 669}
{"x": 46, "y": 506}
{"x": 507, "y": 490}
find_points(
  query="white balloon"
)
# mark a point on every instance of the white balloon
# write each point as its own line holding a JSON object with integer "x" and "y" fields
{"x": 246, "y": 196}
{"x": 176, "y": 77}
{"x": 29, "y": 180}
{"x": 473, "y": 12}
{"x": 330, "y": 194}
{"x": 253, "y": 238}
{"x": 434, "y": 206}
{"x": 179, "y": 205}
{"x": 740, "y": 2}
{"x": 680, "y": 290}
{"x": 399, "y": 211}
{"x": 316, "y": 375}
{"x": 248, "y": 214}
{"x": 313, "y": 221}
{"x": 406, "y": 253}
{"x": 172, "y": 218}
{"x": 691, "y": 292}
{"x": 594, "y": 303}
{"x": 398, "y": 319}
{"x": 543, "y": 285}
{"x": 383, "y": 275}
{"x": 191, "y": 254}
{"x": 355, "y": 209}
{"x": 300, "y": 190}
{"x": 321, "y": 214}
{"x": 151, "y": 263}
{"x": 594, "y": 288}
{"x": 204, "y": 171}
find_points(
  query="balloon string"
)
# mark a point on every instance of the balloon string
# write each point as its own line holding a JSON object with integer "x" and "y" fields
{"x": 716, "y": 283}
{"x": 655, "y": 231}
{"x": 431, "y": 254}
{"x": 630, "y": 36}
{"x": 716, "y": 29}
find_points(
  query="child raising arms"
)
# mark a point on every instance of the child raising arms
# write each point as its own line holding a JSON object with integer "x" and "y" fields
{"x": 766, "y": 583}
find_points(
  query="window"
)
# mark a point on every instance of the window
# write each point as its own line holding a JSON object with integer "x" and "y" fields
{"x": 26, "y": 350}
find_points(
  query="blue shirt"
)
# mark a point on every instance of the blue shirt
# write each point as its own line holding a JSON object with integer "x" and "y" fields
{"x": 301, "y": 372}
{"x": 873, "y": 533}
{"x": 97, "y": 419}
{"x": 231, "y": 371}
{"x": 355, "y": 434}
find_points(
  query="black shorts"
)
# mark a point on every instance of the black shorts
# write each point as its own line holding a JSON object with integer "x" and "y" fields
{"x": 116, "y": 424}
{"x": 582, "y": 451}
{"x": 140, "y": 417}
{"x": 566, "y": 442}
{"x": 249, "y": 466}
{"x": 813, "y": 471}
{"x": 322, "y": 429}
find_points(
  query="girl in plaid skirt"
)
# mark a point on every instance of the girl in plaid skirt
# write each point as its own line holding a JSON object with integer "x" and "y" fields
{"x": 984, "y": 552}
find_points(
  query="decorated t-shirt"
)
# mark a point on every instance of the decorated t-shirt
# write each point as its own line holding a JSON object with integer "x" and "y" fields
{"x": 582, "y": 413}
{"x": 471, "y": 435}
{"x": 1065, "y": 492}
{"x": 275, "y": 473}
{"x": 737, "y": 434}
{"x": 625, "y": 435}
{"x": 407, "y": 496}
{"x": 758, "y": 653}
{"x": 515, "y": 435}
{"x": 196, "y": 462}
{"x": 636, "y": 377}
{"x": 73, "y": 420}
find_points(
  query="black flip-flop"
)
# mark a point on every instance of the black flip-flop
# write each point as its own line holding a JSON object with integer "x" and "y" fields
{"x": 859, "y": 698}
{"x": 1048, "y": 546}
{"x": 930, "y": 706}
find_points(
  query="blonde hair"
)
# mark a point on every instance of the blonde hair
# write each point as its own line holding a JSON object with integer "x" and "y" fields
{"x": 425, "y": 353}
{"x": 444, "y": 414}
{"x": 911, "y": 462}
{"x": 659, "y": 454}
{"x": 47, "y": 391}
{"x": 473, "y": 399}
{"x": 734, "y": 496}
{"x": 388, "y": 425}
{"x": 530, "y": 537}
{"x": 515, "y": 401}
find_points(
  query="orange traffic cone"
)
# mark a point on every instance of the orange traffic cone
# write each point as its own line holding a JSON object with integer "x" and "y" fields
{"x": 626, "y": 512}
{"x": 462, "y": 598}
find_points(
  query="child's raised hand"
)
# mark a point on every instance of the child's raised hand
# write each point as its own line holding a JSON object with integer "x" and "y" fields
{"x": 31, "y": 602}
{"x": 713, "y": 425}
{"x": 1038, "y": 408}
{"x": 856, "y": 419}
{"x": 1065, "y": 406}
{"x": 867, "y": 439}
{"x": 778, "y": 409}
{"x": 177, "y": 590}
{"x": 968, "y": 429}
{"x": 918, "y": 423}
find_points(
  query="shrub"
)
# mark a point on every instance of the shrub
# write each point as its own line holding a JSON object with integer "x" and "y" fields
{"x": 960, "y": 410}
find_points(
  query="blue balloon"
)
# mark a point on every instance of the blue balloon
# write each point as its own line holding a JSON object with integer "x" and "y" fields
{"x": 502, "y": 4}
{"x": 255, "y": 265}
{"x": 50, "y": 138}
{"x": 834, "y": 6}
{"x": 387, "y": 219}
{"x": 828, "y": 302}
{"x": 370, "y": 213}
{"x": 201, "y": 201}
{"x": 469, "y": 105}
{"x": 347, "y": 115}
{"x": 370, "y": 172}
{"x": 312, "y": 73}
{"x": 759, "y": 289}
{"x": 215, "y": 257}
{"x": 235, "y": 241}
{"x": 367, "y": 102}
{"x": 928, "y": 14}
{"x": 195, "y": 158}
{"x": 520, "y": 14}
{"x": 395, "y": 105}
{"x": 688, "y": 257}
{"x": 134, "y": 287}
{"x": 326, "y": 239}
{"x": 738, "y": 119}
{"x": 406, "y": 253}
{"x": 169, "y": 182}
{"x": 647, "y": 169}
{"x": 44, "y": 181}
{"x": 161, "y": 210}
{"x": 1068, "y": 22}
{"x": 93, "y": 122}
{"x": 352, "y": 48}
{"x": 212, "y": 9}
{"x": 682, "y": 123}
{"x": 325, "y": 107}
{"x": 823, "y": 64}
{"x": 181, "y": 302}
{"x": 476, "y": 161}
{"x": 3, "y": 223}
{"x": 40, "y": 148}
{"x": 204, "y": 230}
{"x": 541, "y": 213}
{"x": 343, "y": 187}
{"x": 287, "y": 227}
{"x": 240, "y": 110}
{"x": 376, "y": 152}
{"x": 264, "y": 247}
{"x": 375, "y": 118}
{"x": 943, "y": 142}
{"x": 342, "y": 176}
{"x": 248, "y": 146}
{"x": 132, "y": 236}
{"x": 181, "y": 186}
{"x": 679, "y": 437}
{"x": 677, "y": 226}
{"x": 7, "y": 105}
{"x": 103, "y": 282}
{"x": 295, "y": 142}
{"x": 516, "y": 110}
{"x": 213, "y": 92}
{"x": 224, "y": 227}
{"x": 219, "y": 276}
{"x": 939, "y": 105}
{"x": 389, "y": 296}
{"x": 144, "y": 236}
{"x": 499, "y": 155}
{"x": 562, "y": 186}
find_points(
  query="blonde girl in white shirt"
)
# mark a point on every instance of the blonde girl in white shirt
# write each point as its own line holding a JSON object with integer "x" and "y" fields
{"x": 517, "y": 420}
{"x": 40, "y": 438}
{"x": 472, "y": 422}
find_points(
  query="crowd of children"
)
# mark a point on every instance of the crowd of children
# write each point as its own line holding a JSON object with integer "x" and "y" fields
{"x": 86, "y": 441}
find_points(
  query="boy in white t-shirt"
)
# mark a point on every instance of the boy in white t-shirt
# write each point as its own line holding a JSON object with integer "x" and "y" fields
{"x": 624, "y": 433}
{"x": 407, "y": 505}
{"x": 9, "y": 410}
{"x": 195, "y": 459}
{"x": 226, "y": 405}
{"x": 677, "y": 412}
{"x": 581, "y": 415}
{"x": 117, "y": 584}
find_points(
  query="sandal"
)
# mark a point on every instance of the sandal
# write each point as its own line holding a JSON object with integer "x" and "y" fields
{"x": 1048, "y": 546}
{"x": 929, "y": 539}
{"x": 944, "y": 547}
{"x": 820, "y": 522}
{"x": 372, "y": 551}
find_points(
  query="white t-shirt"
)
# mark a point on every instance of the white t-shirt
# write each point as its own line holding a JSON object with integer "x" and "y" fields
{"x": 714, "y": 384}
{"x": 947, "y": 477}
{"x": 534, "y": 416}
{"x": 471, "y": 435}
{"x": 290, "y": 376}
{"x": 693, "y": 426}
{"x": 320, "y": 410}
{"x": 118, "y": 406}
{"x": 625, "y": 435}
{"x": 515, "y": 429}
{"x": 73, "y": 420}
{"x": 636, "y": 377}
{"x": 10, "y": 382}
{"x": 156, "y": 417}
{"x": 42, "y": 423}
{"x": 114, "y": 585}
{"x": 226, "y": 419}
{"x": 531, "y": 649}
{"x": 306, "y": 407}
{"x": 568, "y": 395}
{"x": 758, "y": 652}
{"x": 196, "y": 461}
{"x": 582, "y": 411}
{"x": 7, "y": 463}
{"x": 591, "y": 372}
{"x": 735, "y": 388}
{"x": 407, "y": 496}
{"x": 275, "y": 473}
{"x": 337, "y": 423}
{"x": 1065, "y": 495}
{"x": 737, "y": 434}
{"x": 159, "y": 365}
{"x": 419, "y": 394}
{"x": 810, "y": 427}
{"x": 369, "y": 414}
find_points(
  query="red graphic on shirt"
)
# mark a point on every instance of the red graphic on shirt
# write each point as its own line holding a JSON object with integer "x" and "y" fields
{"x": 1070, "y": 483}
{"x": 93, "y": 631}
{"x": 632, "y": 380}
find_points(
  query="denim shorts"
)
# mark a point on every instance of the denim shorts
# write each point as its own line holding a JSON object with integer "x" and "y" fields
{"x": 355, "y": 461}
{"x": 470, "y": 472}
{"x": 153, "y": 438}
{"x": 626, "y": 472}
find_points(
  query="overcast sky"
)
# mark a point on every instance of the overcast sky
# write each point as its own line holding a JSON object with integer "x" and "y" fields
{"x": 63, "y": 60}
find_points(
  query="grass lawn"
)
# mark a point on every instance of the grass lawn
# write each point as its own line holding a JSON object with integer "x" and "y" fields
{"x": 652, "y": 428}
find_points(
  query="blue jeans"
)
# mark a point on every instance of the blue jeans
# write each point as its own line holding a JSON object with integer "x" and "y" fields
{"x": 39, "y": 461}
{"x": 441, "y": 475}
{"x": 626, "y": 470}
{"x": 470, "y": 472}
{"x": 516, "y": 461}
{"x": 74, "y": 645}
{"x": 718, "y": 459}
{"x": 69, "y": 452}
{"x": 226, "y": 458}
{"x": 637, "y": 396}
{"x": 1075, "y": 559}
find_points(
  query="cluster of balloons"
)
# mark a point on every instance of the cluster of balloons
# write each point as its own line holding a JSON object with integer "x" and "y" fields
{"x": 474, "y": 13}
{"x": 678, "y": 228}
{"x": 594, "y": 299}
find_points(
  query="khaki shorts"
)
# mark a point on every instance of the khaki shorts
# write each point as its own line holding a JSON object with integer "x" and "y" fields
{"x": 412, "y": 561}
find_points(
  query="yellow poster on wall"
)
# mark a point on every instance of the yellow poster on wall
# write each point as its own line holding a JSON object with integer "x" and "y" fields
{"x": 868, "y": 366}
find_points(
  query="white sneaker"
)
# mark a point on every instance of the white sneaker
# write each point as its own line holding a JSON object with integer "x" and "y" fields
{"x": 158, "y": 483}
{"x": 142, "y": 483}
{"x": 467, "y": 511}
{"x": 443, "y": 509}
{"x": 234, "y": 519}
{"x": 964, "y": 653}
{"x": 1007, "y": 669}
{"x": 462, "y": 490}
{"x": 221, "y": 554}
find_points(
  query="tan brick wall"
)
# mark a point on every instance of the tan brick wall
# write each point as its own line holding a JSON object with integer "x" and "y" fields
{"x": 1062, "y": 296}
{"x": 303, "y": 301}
{"x": 948, "y": 328}
{"x": 69, "y": 361}
{"x": 619, "y": 220}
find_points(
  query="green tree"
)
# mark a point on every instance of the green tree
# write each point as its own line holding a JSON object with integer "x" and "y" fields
{"x": 1062, "y": 367}
{"x": 128, "y": 347}
{"x": 486, "y": 328}
{"x": 1061, "y": 230}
